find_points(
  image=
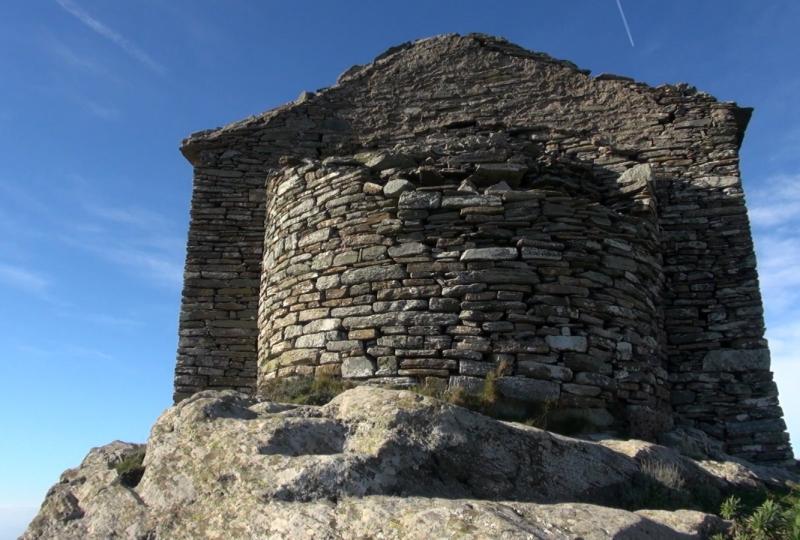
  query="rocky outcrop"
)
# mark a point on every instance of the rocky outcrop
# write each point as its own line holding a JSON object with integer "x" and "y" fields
{"x": 373, "y": 463}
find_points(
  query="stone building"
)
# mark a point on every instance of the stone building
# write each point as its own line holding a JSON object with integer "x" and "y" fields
{"x": 463, "y": 206}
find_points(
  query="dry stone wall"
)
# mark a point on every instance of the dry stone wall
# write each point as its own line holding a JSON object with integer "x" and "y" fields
{"x": 480, "y": 101}
{"x": 373, "y": 278}
{"x": 718, "y": 357}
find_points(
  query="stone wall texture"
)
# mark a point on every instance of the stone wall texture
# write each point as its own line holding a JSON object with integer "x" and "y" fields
{"x": 462, "y": 205}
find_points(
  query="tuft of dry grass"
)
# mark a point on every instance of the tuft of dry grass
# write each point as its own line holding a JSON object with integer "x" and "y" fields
{"x": 304, "y": 390}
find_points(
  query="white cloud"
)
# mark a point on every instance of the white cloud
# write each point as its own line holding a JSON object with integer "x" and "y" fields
{"x": 775, "y": 215}
{"x": 151, "y": 258}
{"x": 137, "y": 217}
{"x": 778, "y": 270}
{"x": 769, "y": 215}
{"x": 106, "y": 112}
{"x": 133, "y": 238}
{"x": 61, "y": 91}
{"x": 139, "y": 240}
{"x": 162, "y": 268}
{"x": 103, "y": 30}
{"x": 784, "y": 342}
{"x": 778, "y": 204}
{"x": 68, "y": 56}
{"x": 24, "y": 279}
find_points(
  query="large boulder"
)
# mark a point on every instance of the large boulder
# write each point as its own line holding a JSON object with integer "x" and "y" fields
{"x": 371, "y": 463}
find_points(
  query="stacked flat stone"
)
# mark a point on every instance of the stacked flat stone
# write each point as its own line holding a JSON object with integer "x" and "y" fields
{"x": 452, "y": 107}
{"x": 560, "y": 294}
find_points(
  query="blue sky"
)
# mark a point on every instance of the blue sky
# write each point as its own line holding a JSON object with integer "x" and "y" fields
{"x": 95, "y": 97}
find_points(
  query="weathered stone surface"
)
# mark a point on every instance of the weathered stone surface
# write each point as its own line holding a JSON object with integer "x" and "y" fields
{"x": 541, "y": 254}
{"x": 639, "y": 175}
{"x": 567, "y": 343}
{"x": 530, "y": 390}
{"x": 690, "y": 523}
{"x": 395, "y": 188}
{"x": 371, "y": 464}
{"x": 311, "y": 340}
{"x": 416, "y": 318}
{"x": 736, "y": 360}
{"x": 322, "y": 325}
{"x": 716, "y": 181}
{"x": 380, "y": 160}
{"x": 372, "y": 273}
{"x": 494, "y": 276}
{"x": 492, "y": 173}
{"x": 500, "y": 187}
{"x": 371, "y": 188}
{"x": 538, "y": 370}
{"x": 357, "y": 367}
{"x": 298, "y": 356}
{"x": 423, "y": 200}
{"x": 489, "y": 254}
{"x": 464, "y": 201}
{"x": 408, "y": 249}
{"x": 317, "y": 236}
{"x": 581, "y": 389}
{"x": 693, "y": 443}
{"x": 328, "y": 282}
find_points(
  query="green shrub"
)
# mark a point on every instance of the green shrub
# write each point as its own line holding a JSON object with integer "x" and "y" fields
{"x": 776, "y": 518}
{"x": 130, "y": 468}
{"x": 731, "y": 508}
{"x": 793, "y": 518}
{"x": 766, "y": 522}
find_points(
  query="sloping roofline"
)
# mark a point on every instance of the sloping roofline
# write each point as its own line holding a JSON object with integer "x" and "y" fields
{"x": 191, "y": 146}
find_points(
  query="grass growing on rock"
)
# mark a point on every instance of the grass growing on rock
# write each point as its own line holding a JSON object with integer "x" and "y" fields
{"x": 304, "y": 390}
{"x": 657, "y": 485}
{"x": 660, "y": 485}
{"x": 488, "y": 401}
{"x": 756, "y": 514}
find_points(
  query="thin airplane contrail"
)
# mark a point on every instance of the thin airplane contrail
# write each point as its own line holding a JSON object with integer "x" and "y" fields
{"x": 625, "y": 22}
